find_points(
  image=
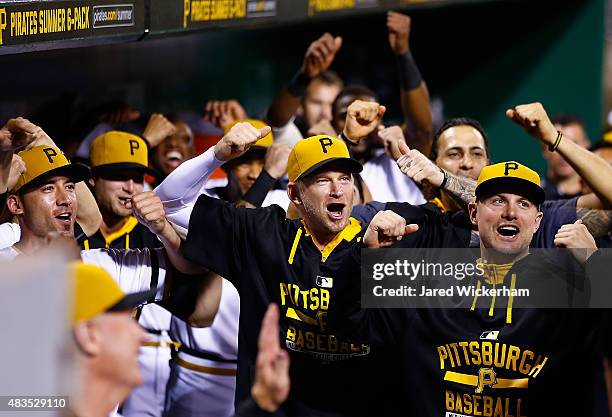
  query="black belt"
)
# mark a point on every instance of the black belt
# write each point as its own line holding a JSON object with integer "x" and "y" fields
{"x": 153, "y": 331}
{"x": 205, "y": 355}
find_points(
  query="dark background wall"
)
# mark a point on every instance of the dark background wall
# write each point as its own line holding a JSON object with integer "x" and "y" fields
{"x": 479, "y": 58}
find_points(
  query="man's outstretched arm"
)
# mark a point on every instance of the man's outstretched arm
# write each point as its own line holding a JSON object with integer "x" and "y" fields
{"x": 318, "y": 58}
{"x": 414, "y": 94}
{"x": 593, "y": 208}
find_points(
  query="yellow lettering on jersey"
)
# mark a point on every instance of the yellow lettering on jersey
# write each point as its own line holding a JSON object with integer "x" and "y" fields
{"x": 326, "y": 343}
{"x": 538, "y": 366}
{"x": 482, "y": 405}
{"x": 524, "y": 368}
{"x": 491, "y": 354}
{"x": 313, "y": 299}
{"x": 513, "y": 355}
{"x": 487, "y": 354}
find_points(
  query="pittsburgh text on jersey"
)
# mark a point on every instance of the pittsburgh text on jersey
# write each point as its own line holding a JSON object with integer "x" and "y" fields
{"x": 307, "y": 311}
{"x": 487, "y": 378}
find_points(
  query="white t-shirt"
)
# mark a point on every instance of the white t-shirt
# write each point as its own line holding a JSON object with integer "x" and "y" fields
{"x": 10, "y": 233}
{"x": 387, "y": 183}
{"x": 289, "y": 134}
{"x": 132, "y": 269}
{"x": 222, "y": 336}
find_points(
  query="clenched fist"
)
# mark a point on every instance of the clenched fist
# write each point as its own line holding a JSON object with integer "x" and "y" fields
{"x": 533, "y": 118}
{"x": 18, "y": 167}
{"x": 158, "y": 129}
{"x": 16, "y": 134}
{"x": 223, "y": 113}
{"x": 238, "y": 140}
{"x": 394, "y": 141}
{"x": 276, "y": 159}
{"x": 398, "y": 26}
{"x": 149, "y": 210}
{"x": 386, "y": 228}
{"x": 320, "y": 54}
{"x": 362, "y": 118}
{"x": 577, "y": 239}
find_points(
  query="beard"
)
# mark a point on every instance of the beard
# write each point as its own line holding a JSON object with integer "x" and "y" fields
{"x": 317, "y": 219}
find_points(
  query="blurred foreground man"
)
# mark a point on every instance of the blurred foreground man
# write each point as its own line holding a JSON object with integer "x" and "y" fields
{"x": 106, "y": 340}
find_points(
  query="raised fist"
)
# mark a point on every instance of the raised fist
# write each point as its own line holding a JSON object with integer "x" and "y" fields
{"x": 16, "y": 134}
{"x": 577, "y": 239}
{"x": 362, "y": 118}
{"x": 158, "y": 129}
{"x": 149, "y": 210}
{"x": 320, "y": 54}
{"x": 18, "y": 167}
{"x": 238, "y": 140}
{"x": 386, "y": 228}
{"x": 398, "y": 26}
{"x": 394, "y": 141}
{"x": 276, "y": 159}
{"x": 223, "y": 113}
{"x": 533, "y": 118}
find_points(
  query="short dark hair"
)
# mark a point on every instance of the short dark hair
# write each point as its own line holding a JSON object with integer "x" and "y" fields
{"x": 458, "y": 121}
{"x": 566, "y": 119}
{"x": 330, "y": 78}
{"x": 356, "y": 90}
{"x": 604, "y": 142}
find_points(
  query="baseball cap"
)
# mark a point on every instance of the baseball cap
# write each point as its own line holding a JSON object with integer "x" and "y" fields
{"x": 264, "y": 142}
{"x": 312, "y": 153}
{"x": 45, "y": 161}
{"x": 510, "y": 176}
{"x": 117, "y": 149}
{"x": 604, "y": 142}
{"x": 96, "y": 292}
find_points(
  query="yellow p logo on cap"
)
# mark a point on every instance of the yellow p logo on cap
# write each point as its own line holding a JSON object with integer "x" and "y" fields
{"x": 310, "y": 154}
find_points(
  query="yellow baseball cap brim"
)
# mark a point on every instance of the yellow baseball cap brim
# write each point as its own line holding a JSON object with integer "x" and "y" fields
{"x": 76, "y": 173}
{"x": 353, "y": 166}
{"x": 95, "y": 292}
{"x": 512, "y": 185}
{"x": 119, "y": 166}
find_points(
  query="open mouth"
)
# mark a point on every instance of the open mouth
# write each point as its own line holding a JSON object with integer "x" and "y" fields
{"x": 65, "y": 218}
{"x": 124, "y": 200}
{"x": 336, "y": 210}
{"x": 508, "y": 230}
{"x": 174, "y": 158}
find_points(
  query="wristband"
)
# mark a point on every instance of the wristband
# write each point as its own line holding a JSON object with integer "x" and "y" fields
{"x": 259, "y": 190}
{"x": 298, "y": 84}
{"x": 409, "y": 74}
{"x": 555, "y": 145}
{"x": 445, "y": 180}
{"x": 347, "y": 140}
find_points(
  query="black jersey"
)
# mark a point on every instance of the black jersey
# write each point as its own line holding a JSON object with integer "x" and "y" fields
{"x": 132, "y": 235}
{"x": 436, "y": 229}
{"x": 271, "y": 259}
{"x": 479, "y": 360}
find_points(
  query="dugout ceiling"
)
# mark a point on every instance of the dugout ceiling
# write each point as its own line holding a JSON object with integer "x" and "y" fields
{"x": 478, "y": 57}
{"x": 32, "y": 25}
